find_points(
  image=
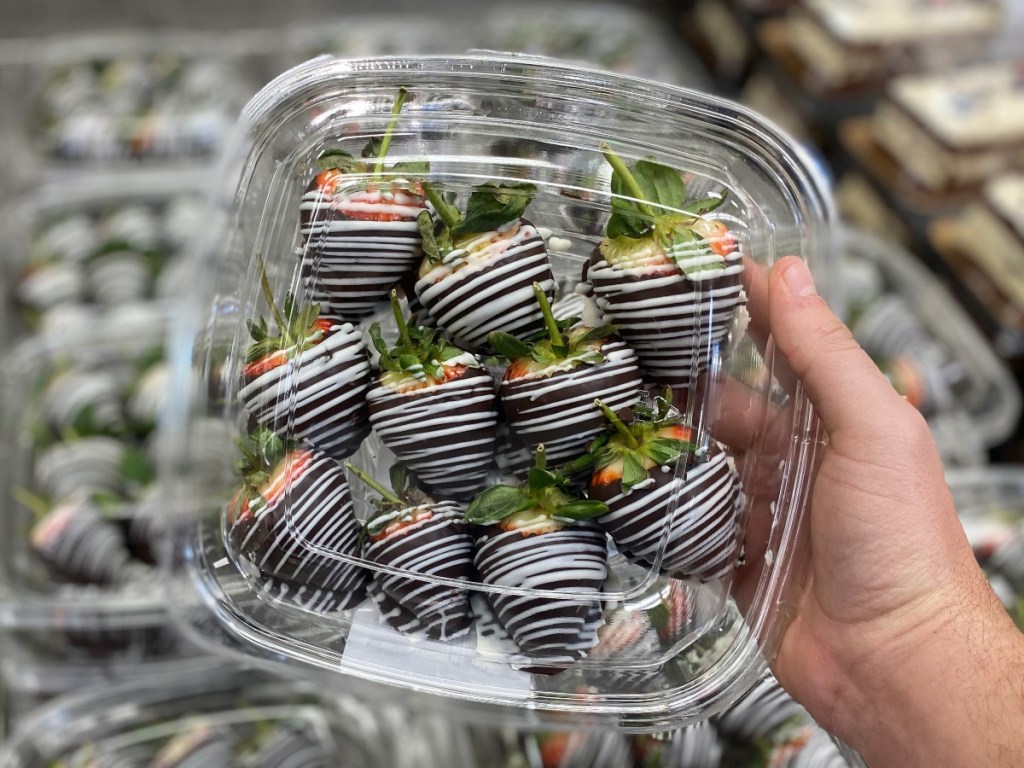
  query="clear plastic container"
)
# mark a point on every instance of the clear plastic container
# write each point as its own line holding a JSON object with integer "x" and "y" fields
{"x": 907, "y": 320}
{"x": 990, "y": 502}
{"x": 764, "y": 728}
{"x": 234, "y": 716}
{"x": 611, "y": 36}
{"x": 81, "y": 522}
{"x": 30, "y": 676}
{"x": 653, "y": 638}
{"x": 84, "y": 247}
{"x": 127, "y": 99}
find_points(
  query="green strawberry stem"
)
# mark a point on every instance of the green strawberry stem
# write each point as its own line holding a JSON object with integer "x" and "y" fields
{"x": 541, "y": 460}
{"x": 388, "y": 132}
{"x": 384, "y": 492}
{"x": 449, "y": 213}
{"x": 616, "y": 422}
{"x": 549, "y": 317}
{"x": 403, "y": 326}
{"x": 268, "y": 294}
{"x": 627, "y": 178}
{"x": 34, "y": 503}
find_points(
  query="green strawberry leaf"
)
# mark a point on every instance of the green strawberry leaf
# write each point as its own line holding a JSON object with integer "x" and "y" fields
{"x": 411, "y": 168}
{"x": 509, "y": 346}
{"x": 335, "y": 158}
{"x": 387, "y": 361}
{"x": 496, "y": 503}
{"x": 595, "y": 334}
{"x": 706, "y": 205}
{"x": 586, "y": 461}
{"x": 136, "y": 468}
{"x": 661, "y": 184}
{"x": 372, "y": 148}
{"x": 539, "y": 479}
{"x": 398, "y": 475}
{"x": 492, "y": 205}
{"x": 665, "y": 451}
{"x": 633, "y": 471}
{"x": 581, "y": 509}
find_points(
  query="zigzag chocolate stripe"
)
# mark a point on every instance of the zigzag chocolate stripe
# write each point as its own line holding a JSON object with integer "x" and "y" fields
{"x": 446, "y": 433}
{"x": 296, "y": 539}
{"x": 818, "y": 752}
{"x": 572, "y": 560}
{"x": 696, "y": 746}
{"x": 350, "y": 262}
{"x": 625, "y": 642}
{"x": 440, "y": 546}
{"x": 319, "y": 396}
{"x": 703, "y": 513}
{"x": 70, "y": 394}
{"x": 557, "y": 411}
{"x": 78, "y": 545}
{"x": 592, "y": 749}
{"x": 89, "y": 464}
{"x": 889, "y": 328}
{"x": 487, "y": 285}
{"x": 288, "y": 749}
{"x": 311, "y": 598}
{"x": 119, "y": 278}
{"x": 671, "y": 321}
{"x": 761, "y": 712}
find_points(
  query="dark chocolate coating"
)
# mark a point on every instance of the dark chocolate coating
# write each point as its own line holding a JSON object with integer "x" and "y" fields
{"x": 471, "y": 302}
{"x": 674, "y": 324}
{"x": 702, "y": 513}
{"x": 446, "y": 434}
{"x": 572, "y": 560}
{"x": 349, "y": 264}
{"x": 292, "y": 540}
{"x": 318, "y": 397}
{"x": 79, "y": 546}
{"x": 440, "y": 546}
{"x": 558, "y": 412}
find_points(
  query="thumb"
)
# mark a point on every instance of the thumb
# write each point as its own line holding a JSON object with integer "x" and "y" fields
{"x": 846, "y": 388}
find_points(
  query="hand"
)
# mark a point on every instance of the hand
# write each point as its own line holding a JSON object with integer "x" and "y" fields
{"x": 899, "y": 645}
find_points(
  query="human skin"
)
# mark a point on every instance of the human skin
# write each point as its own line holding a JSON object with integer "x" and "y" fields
{"x": 899, "y": 646}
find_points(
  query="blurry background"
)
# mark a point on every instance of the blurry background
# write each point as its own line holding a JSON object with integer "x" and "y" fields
{"x": 915, "y": 114}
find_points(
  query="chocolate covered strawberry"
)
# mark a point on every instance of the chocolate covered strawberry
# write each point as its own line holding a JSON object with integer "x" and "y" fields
{"x": 480, "y": 265}
{"x": 360, "y": 237}
{"x": 669, "y": 279}
{"x": 696, "y": 746}
{"x": 539, "y": 536}
{"x": 76, "y": 542}
{"x": 307, "y": 379}
{"x": 291, "y": 519}
{"x": 548, "y": 390}
{"x": 653, "y": 477}
{"x": 425, "y": 540}
{"x": 434, "y": 407}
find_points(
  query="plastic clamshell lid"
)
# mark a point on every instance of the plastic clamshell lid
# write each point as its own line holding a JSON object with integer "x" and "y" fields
{"x": 81, "y": 247}
{"x": 224, "y": 715}
{"x": 120, "y": 99}
{"x": 81, "y": 523}
{"x": 652, "y": 637}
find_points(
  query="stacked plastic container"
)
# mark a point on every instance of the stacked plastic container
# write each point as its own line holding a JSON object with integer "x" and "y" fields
{"x": 110, "y": 139}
